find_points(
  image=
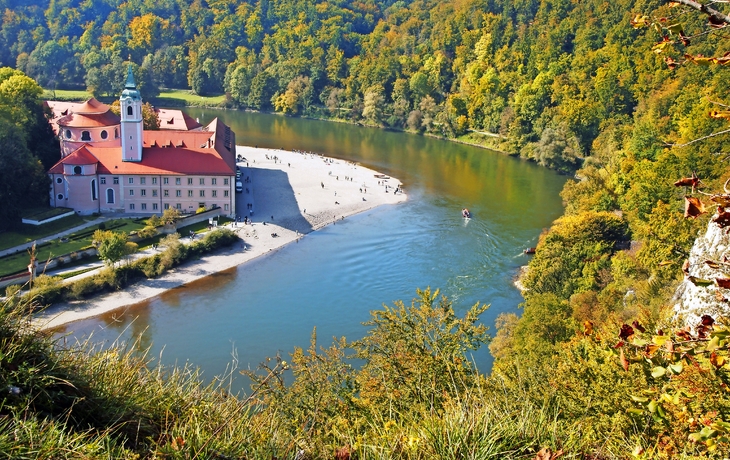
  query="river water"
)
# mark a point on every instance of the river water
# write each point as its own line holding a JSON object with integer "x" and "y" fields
{"x": 334, "y": 277}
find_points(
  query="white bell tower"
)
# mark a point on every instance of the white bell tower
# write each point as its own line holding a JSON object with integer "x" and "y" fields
{"x": 130, "y": 103}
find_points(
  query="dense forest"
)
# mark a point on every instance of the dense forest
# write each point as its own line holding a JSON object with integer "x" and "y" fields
{"x": 628, "y": 94}
{"x": 548, "y": 76}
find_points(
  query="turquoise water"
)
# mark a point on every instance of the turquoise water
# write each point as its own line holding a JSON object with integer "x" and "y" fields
{"x": 334, "y": 277}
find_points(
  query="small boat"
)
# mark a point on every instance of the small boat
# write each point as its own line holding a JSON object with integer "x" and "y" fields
{"x": 381, "y": 176}
{"x": 465, "y": 213}
{"x": 529, "y": 251}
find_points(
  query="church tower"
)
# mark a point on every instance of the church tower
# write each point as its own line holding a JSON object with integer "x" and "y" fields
{"x": 130, "y": 103}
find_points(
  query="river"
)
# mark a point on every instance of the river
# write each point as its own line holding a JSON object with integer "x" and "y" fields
{"x": 334, "y": 277}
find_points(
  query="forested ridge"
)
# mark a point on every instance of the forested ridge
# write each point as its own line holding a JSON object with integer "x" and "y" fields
{"x": 629, "y": 94}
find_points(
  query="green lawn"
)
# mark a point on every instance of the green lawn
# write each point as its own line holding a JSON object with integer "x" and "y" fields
{"x": 27, "y": 233}
{"x": 19, "y": 261}
{"x": 66, "y": 95}
{"x": 185, "y": 97}
{"x": 167, "y": 98}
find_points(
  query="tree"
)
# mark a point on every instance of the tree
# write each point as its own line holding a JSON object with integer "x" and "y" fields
{"x": 170, "y": 215}
{"x": 112, "y": 246}
{"x": 150, "y": 120}
{"x": 373, "y": 104}
{"x": 417, "y": 355}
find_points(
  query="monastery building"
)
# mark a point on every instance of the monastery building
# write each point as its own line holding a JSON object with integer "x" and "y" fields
{"x": 111, "y": 164}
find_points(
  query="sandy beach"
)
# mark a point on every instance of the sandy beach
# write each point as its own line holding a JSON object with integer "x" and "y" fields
{"x": 290, "y": 194}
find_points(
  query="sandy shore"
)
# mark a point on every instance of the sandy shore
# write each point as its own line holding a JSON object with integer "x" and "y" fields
{"x": 290, "y": 196}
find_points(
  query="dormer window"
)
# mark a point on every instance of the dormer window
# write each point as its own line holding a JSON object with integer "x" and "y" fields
{"x": 77, "y": 170}
{"x": 85, "y": 136}
{"x": 104, "y": 134}
{"x": 130, "y": 111}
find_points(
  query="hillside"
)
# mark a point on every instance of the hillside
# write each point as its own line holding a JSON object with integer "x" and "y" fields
{"x": 629, "y": 95}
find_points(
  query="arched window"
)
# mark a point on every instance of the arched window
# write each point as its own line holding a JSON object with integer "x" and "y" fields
{"x": 77, "y": 170}
{"x": 130, "y": 112}
{"x": 85, "y": 136}
{"x": 110, "y": 196}
{"x": 116, "y": 133}
{"x": 94, "y": 195}
{"x": 104, "y": 134}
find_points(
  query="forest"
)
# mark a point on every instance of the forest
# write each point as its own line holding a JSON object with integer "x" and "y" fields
{"x": 629, "y": 96}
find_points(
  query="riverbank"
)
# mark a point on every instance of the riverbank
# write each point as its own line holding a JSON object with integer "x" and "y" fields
{"x": 290, "y": 193}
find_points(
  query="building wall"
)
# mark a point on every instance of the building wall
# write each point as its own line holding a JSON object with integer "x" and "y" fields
{"x": 152, "y": 194}
{"x": 72, "y": 138}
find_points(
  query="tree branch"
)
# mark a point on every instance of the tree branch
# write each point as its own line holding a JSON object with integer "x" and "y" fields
{"x": 698, "y": 139}
{"x": 720, "y": 17}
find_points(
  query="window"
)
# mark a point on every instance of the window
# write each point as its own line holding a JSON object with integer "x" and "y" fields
{"x": 225, "y": 192}
{"x": 202, "y": 194}
{"x": 131, "y": 180}
{"x": 154, "y": 181}
{"x": 116, "y": 180}
{"x": 144, "y": 206}
{"x": 154, "y": 206}
{"x": 59, "y": 180}
{"x": 142, "y": 180}
{"x": 68, "y": 134}
{"x": 166, "y": 193}
{"x": 94, "y": 196}
{"x": 213, "y": 181}
{"x": 102, "y": 180}
{"x": 225, "y": 207}
{"x": 225, "y": 181}
{"x": 201, "y": 205}
{"x": 167, "y": 205}
{"x": 190, "y": 181}
{"x": 60, "y": 196}
{"x": 165, "y": 180}
{"x": 154, "y": 192}
{"x": 190, "y": 193}
{"x": 131, "y": 192}
{"x": 177, "y": 181}
{"x": 202, "y": 181}
{"x": 215, "y": 193}
{"x": 116, "y": 133}
{"x": 178, "y": 193}
{"x": 131, "y": 206}
{"x": 85, "y": 136}
{"x": 178, "y": 206}
{"x": 143, "y": 192}
{"x": 109, "y": 196}
{"x": 77, "y": 170}
{"x": 104, "y": 134}
{"x": 130, "y": 111}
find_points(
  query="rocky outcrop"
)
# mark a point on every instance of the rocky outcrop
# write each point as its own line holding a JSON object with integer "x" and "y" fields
{"x": 694, "y": 299}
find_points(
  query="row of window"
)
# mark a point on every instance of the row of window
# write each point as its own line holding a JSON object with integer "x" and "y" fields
{"x": 143, "y": 206}
{"x": 86, "y": 135}
{"x": 143, "y": 192}
{"x": 166, "y": 180}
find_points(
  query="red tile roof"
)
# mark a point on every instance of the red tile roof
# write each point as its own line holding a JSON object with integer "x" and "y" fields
{"x": 91, "y": 107}
{"x": 155, "y": 160}
{"x": 79, "y": 120}
{"x": 178, "y": 120}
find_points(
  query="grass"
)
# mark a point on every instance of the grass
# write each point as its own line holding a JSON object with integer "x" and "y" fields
{"x": 28, "y": 233}
{"x": 45, "y": 213}
{"x": 66, "y": 95}
{"x": 18, "y": 262}
{"x": 185, "y": 97}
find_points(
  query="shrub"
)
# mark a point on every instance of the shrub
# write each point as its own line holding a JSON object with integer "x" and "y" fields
{"x": 147, "y": 232}
{"x": 83, "y": 287}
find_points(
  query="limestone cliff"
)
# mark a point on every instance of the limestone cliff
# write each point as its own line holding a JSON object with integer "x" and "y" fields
{"x": 692, "y": 301}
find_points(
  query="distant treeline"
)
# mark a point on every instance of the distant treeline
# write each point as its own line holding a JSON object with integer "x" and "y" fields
{"x": 546, "y": 75}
